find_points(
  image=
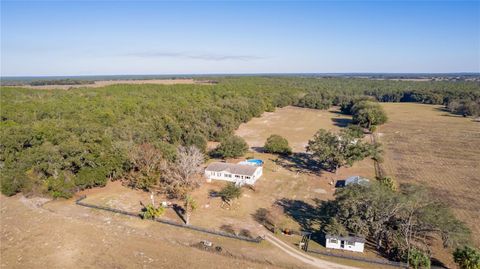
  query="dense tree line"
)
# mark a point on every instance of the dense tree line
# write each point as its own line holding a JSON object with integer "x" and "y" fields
{"x": 57, "y": 142}
{"x": 401, "y": 224}
{"x": 328, "y": 92}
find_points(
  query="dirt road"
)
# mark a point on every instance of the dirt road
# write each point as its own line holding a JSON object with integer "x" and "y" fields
{"x": 317, "y": 263}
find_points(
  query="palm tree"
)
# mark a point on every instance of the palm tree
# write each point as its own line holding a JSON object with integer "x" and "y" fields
{"x": 190, "y": 206}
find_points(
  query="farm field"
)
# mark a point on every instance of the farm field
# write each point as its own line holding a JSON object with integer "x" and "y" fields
{"x": 103, "y": 83}
{"x": 427, "y": 146}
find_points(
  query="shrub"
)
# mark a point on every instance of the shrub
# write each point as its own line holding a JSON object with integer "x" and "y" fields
{"x": 467, "y": 257}
{"x": 389, "y": 183}
{"x": 152, "y": 212}
{"x": 418, "y": 259}
{"x": 231, "y": 147}
{"x": 245, "y": 233}
{"x": 90, "y": 177}
{"x": 228, "y": 229}
{"x": 230, "y": 192}
{"x": 355, "y": 131}
{"x": 277, "y": 144}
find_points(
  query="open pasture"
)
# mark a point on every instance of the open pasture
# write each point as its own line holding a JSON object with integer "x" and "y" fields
{"x": 296, "y": 124}
{"x": 425, "y": 145}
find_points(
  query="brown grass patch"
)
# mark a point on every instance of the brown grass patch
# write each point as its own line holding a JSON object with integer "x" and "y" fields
{"x": 103, "y": 83}
{"x": 425, "y": 145}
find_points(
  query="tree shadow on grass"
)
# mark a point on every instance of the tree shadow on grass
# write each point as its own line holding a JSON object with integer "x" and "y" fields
{"x": 437, "y": 263}
{"x": 309, "y": 217}
{"x": 448, "y": 113}
{"x": 341, "y": 122}
{"x": 300, "y": 162}
{"x": 258, "y": 149}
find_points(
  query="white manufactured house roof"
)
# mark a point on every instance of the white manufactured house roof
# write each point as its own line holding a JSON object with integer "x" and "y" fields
{"x": 346, "y": 238}
{"x": 232, "y": 168}
{"x": 356, "y": 180}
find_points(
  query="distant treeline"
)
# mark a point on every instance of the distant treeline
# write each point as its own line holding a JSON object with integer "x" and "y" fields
{"x": 60, "y": 82}
{"x": 44, "y": 82}
{"x": 462, "y": 97}
{"x": 58, "y": 142}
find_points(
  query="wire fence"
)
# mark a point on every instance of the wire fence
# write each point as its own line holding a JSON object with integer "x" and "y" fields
{"x": 367, "y": 260}
{"x": 259, "y": 239}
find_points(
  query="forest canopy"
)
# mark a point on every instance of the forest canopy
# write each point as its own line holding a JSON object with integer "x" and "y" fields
{"x": 58, "y": 142}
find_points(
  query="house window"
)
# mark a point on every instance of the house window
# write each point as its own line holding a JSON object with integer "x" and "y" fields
{"x": 228, "y": 175}
{"x": 237, "y": 176}
{"x": 333, "y": 241}
{"x": 348, "y": 243}
{"x": 247, "y": 177}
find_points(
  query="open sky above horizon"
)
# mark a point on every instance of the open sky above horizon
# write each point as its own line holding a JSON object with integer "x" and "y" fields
{"x": 107, "y": 38}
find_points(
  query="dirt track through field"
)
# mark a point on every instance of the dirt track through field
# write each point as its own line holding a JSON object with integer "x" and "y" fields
{"x": 317, "y": 263}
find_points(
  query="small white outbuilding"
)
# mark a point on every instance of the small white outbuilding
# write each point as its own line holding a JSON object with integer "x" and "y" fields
{"x": 357, "y": 180}
{"x": 350, "y": 243}
{"x": 239, "y": 173}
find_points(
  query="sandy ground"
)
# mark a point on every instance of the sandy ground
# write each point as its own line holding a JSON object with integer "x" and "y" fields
{"x": 63, "y": 235}
{"x": 102, "y": 83}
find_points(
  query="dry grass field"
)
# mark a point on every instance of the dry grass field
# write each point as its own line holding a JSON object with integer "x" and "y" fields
{"x": 60, "y": 234}
{"x": 296, "y": 124}
{"x": 103, "y": 83}
{"x": 427, "y": 146}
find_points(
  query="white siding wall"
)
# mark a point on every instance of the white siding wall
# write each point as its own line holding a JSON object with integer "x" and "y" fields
{"x": 234, "y": 178}
{"x": 351, "y": 246}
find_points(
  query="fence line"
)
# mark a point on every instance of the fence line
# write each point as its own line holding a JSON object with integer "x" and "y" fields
{"x": 379, "y": 173}
{"x": 325, "y": 253}
{"x": 169, "y": 222}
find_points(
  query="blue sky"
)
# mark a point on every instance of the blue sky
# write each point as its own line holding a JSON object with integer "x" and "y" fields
{"x": 100, "y": 38}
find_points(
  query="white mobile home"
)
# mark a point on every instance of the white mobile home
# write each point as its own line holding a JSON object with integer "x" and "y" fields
{"x": 350, "y": 243}
{"x": 238, "y": 173}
